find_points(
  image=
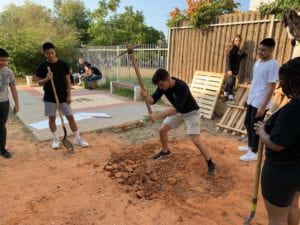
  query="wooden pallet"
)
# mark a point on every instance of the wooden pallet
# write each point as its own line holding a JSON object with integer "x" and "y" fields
{"x": 206, "y": 87}
{"x": 234, "y": 116}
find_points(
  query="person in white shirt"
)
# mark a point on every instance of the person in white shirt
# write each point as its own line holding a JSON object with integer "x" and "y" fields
{"x": 265, "y": 76}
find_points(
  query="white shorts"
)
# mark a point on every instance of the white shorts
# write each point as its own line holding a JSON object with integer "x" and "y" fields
{"x": 191, "y": 120}
{"x": 50, "y": 109}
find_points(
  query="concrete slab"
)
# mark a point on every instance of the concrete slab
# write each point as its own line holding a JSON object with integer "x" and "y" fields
{"x": 121, "y": 109}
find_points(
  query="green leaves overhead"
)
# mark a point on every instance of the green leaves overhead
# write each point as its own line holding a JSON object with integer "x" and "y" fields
{"x": 111, "y": 28}
{"x": 23, "y": 29}
{"x": 278, "y": 7}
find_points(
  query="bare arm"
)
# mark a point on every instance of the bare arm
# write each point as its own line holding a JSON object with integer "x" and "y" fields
{"x": 68, "y": 81}
{"x": 15, "y": 97}
{"x": 265, "y": 138}
{"x": 164, "y": 114}
{"x": 148, "y": 98}
{"x": 42, "y": 82}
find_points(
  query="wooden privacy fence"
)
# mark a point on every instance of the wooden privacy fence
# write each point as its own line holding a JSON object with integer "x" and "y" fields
{"x": 193, "y": 49}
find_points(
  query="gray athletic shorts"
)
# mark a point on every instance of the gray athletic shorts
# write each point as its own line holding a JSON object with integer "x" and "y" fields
{"x": 50, "y": 109}
{"x": 191, "y": 120}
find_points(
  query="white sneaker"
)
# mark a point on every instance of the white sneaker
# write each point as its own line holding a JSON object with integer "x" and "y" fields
{"x": 55, "y": 143}
{"x": 249, "y": 156}
{"x": 244, "y": 148}
{"x": 80, "y": 142}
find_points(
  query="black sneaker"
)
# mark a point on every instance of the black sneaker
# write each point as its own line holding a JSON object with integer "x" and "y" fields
{"x": 211, "y": 168}
{"x": 5, "y": 153}
{"x": 161, "y": 154}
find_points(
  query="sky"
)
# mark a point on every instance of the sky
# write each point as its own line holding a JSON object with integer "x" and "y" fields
{"x": 155, "y": 11}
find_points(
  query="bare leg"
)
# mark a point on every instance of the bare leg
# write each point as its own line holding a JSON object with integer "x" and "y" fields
{"x": 277, "y": 215}
{"x": 163, "y": 135}
{"x": 72, "y": 123}
{"x": 52, "y": 124}
{"x": 294, "y": 213}
{"x": 201, "y": 146}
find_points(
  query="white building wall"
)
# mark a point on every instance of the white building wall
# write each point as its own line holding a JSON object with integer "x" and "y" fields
{"x": 254, "y": 4}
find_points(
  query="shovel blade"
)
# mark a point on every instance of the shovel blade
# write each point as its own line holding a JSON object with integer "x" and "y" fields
{"x": 68, "y": 145}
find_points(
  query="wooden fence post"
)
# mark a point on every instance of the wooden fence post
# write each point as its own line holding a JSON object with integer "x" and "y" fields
{"x": 271, "y": 33}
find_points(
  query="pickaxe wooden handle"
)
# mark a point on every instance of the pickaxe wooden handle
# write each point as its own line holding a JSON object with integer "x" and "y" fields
{"x": 138, "y": 74}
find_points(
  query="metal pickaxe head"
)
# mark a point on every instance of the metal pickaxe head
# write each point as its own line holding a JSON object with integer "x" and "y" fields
{"x": 129, "y": 50}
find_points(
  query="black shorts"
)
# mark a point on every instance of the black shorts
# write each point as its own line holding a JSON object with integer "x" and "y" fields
{"x": 279, "y": 186}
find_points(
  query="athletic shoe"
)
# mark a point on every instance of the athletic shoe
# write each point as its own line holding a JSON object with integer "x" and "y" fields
{"x": 5, "y": 153}
{"x": 211, "y": 168}
{"x": 249, "y": 156}
{"x": 161, "y": 154}
{"x": 244, "y": 148}
{"x": 80, "y": 142}
{"x": 55, "y": 143}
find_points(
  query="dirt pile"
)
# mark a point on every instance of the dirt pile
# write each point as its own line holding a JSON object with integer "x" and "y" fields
{"x": 149, "y": 179}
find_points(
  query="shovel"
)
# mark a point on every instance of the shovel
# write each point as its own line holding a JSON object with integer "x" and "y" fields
{"x": 251, "y": 215}
{"x": 68, "y": 145}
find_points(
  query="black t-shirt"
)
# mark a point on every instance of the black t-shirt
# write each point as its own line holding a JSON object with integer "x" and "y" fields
{"x": 179, "y": 96}
{"x": 96, "y": 71}
{"x": 284, "y": 130}
{"x": 60, "y": 69}
{"x": 234, "y": 59}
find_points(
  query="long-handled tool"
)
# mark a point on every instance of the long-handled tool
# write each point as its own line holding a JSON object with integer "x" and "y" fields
{"x": 68, "y": 145}
{"x": 130, "y": 51}
{"x": 256, "y": 185}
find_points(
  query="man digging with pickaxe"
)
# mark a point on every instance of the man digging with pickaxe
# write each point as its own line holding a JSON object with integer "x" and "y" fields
{"x": 184, "y": 110}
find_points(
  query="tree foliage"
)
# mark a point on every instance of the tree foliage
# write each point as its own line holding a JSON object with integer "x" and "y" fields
{"x": 278, "y": 7}
{"x": 201, "y": 14}
{"x": 23, "y": 29}
{"x": 74, "y": 13}
{"x": 111, "y": 28}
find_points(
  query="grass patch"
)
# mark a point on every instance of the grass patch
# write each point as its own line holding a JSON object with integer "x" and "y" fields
{"x": 124, "y": 92}
{"x": 133, "y": 80}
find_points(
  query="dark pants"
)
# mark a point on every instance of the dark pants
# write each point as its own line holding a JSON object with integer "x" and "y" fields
{"x": 4, "y": 111}
{"x": 93, "y": 77}
{"x": 250, "y": 120}
{"x": 230, "y": 81}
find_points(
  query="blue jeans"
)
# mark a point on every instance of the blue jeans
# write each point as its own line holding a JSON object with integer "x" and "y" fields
{"x": 230, "y": 81}
{"x": 93, "y": 77}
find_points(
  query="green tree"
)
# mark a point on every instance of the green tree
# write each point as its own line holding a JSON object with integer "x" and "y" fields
{"x": 23, "y": 29}
{"x": 74, "y": 12}
{"x": 110, "y": 28}
{"x": 201, "y": 14}
{"x": 278, "y": 7}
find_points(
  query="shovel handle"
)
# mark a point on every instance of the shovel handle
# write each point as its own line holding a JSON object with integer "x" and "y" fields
{"x": 57, "y": 101}
{"x": 256, "y": 184}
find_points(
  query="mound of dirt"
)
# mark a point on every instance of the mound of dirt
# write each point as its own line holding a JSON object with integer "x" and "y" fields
{"x": 149, "y": 179}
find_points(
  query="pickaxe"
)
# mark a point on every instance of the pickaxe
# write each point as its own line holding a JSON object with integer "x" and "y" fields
{"x": 130, "y": 51}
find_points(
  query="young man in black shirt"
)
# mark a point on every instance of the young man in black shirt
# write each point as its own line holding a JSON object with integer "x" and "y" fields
{"x": 58, "y": 70}
{"x": 184, "y": 110}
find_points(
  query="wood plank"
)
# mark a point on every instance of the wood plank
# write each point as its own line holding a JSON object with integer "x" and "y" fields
{"x": 233, "y": 129}
{"x": 205, "y": 93}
